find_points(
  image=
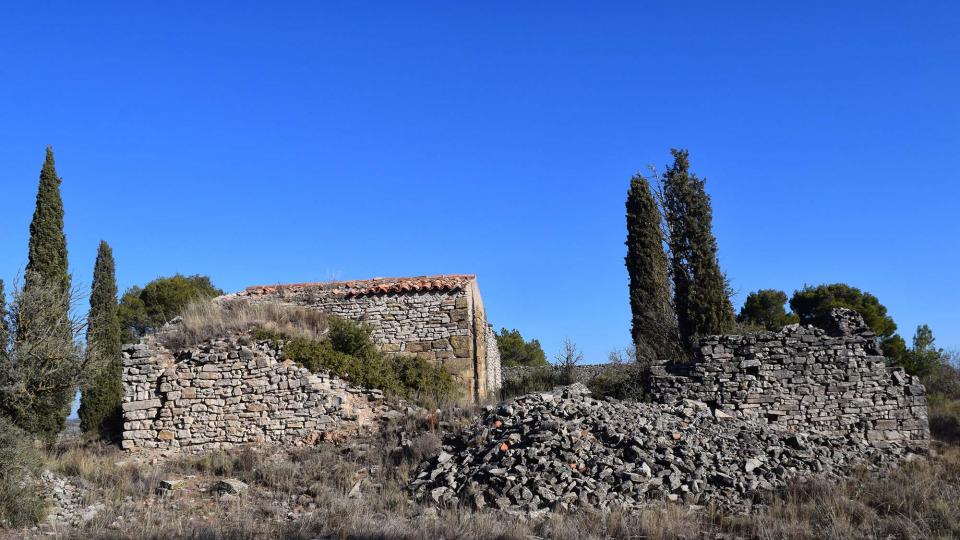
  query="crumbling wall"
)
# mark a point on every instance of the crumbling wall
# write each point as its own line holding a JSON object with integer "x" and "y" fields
{"x": 439, "y": 319}
{"x": 233, "y": 391}
{"x": 832, "y": 380}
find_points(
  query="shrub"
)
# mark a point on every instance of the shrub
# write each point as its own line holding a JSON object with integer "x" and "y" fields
{"x": 348, "y": 352}
{"x": 20, "y": 461}
{"x": 538, "y": 379}
{"x": 145, "y": 309}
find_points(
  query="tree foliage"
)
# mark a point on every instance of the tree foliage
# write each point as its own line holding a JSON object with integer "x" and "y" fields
{"x": 39, "y": 378}
{"x": 515, "y": 351}
{"x": 765, "y": 308}
{"x": 701, "y": 295}
{"x": 811, "y": 304}
{"x": 100, "y": 412}
{"x": 923, "y": 358}
{"x": 40, "y": 371}
{"x": 653, "y": 324}
{"x": 47, "y": 258}
{"x": 145, "y": 309}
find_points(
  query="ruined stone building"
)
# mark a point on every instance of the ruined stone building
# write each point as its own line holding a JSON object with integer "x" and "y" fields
{"x": 438, "y": 318}
{"x": 234, "y": 390}
{"x": 833, "y": 380}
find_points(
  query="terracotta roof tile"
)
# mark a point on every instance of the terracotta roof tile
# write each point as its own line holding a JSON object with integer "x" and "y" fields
{"x": 373, "y": 287}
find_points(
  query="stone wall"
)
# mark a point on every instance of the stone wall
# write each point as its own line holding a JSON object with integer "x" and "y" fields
{"x": 233, "y": 391}
{"x": 803, "y": 378}
{"x": 441, "y": 319}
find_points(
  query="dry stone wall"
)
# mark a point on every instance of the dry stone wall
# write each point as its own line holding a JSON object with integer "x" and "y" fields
{"x": 834, "y": 381}
{"x": 446, "y": 324}
{"x": 233, "y": 391}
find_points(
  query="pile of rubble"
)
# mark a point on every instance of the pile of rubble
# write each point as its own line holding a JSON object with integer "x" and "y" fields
{"x": 67, "y": 501}
{"x": 564, "y": 449}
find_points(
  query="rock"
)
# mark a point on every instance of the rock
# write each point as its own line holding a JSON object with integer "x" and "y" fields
{"x": 564, "y": 450}
{"x": 230, "y": 486}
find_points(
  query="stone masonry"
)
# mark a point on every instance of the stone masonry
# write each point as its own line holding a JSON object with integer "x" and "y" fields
{"x": 233, "y": 391}
{"x": 833, "y": 380}
{"x": 437, "y": 318}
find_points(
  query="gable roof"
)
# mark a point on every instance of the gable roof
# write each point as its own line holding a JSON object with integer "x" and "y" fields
{"x": 373, "y": 287}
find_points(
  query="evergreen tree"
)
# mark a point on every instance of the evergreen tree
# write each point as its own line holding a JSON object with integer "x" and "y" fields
{"x": 4, "y": 326}
{"x": 765, "y": 308}
{"x": 516, "y": 351}
{"x": 701, "y": 295}
{"x": 47, "y": 260}
{"x": 100, "y": 412}
{"x": 654, "y": 324}
{"x": 43, "y": 358}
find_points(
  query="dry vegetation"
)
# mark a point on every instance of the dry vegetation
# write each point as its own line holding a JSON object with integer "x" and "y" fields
{"x": 357, "y": 490}
{"x": 206, "y": 319}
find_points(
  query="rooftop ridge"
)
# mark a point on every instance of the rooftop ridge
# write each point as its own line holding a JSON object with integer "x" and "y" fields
{"x": 373, "y": 286}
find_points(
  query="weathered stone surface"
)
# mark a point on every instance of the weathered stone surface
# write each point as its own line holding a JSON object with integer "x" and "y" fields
{"x": 834, "y": 381}
{"x": 564, "y": 450}
{"x": 409, "y": 316}
{"x": 202, "y": 398}
{"x": 229, "y": 486}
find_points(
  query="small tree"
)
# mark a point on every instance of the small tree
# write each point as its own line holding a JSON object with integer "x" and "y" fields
{"x": 764, "y": 308}
{"x": 567, "y": 361}
{"x": 100, "y": 412}
{"x": 515, "y": 351}
{"x": 145, "y": 309}
{"x": 653, "y": 324}
{"x": 924, "y": 357}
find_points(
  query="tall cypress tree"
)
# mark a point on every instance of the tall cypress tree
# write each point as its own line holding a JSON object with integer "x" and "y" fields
{"x": 654, "y": 324}
{"x": 47, "y": 262}
{"x": 43, "y": 354}
{"x": 701, "y": 296}
{"x": 103, "y": 392}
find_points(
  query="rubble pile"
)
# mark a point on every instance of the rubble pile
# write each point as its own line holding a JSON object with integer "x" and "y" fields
{"x": 563, "y": 449}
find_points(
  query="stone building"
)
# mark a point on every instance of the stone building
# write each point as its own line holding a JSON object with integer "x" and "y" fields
{"x": 439, "y": 318}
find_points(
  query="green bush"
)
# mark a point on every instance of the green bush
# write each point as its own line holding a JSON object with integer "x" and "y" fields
{"x": 20, "y": 461}
{"x": 143, "y": 310}
{"x": 348, "y": 352}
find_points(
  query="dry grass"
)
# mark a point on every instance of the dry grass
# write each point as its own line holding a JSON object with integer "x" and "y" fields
{"x": 304, "y": 494}
{"x": 205, "y": 319}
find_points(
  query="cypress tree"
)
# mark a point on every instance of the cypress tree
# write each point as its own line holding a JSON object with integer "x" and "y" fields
{"x": 701, "y": 296}
{"x": 654, "y": 324}
{"x": 5, "y": 367}
{"x": 47, "y": 260}
{"x": 44, "y": 354}
{"x": 103, "y": 392}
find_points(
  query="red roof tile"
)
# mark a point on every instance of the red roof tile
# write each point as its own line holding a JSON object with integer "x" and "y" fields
{"x": 375, "y": 286}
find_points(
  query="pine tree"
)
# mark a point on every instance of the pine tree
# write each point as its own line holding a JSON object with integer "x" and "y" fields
{"x": 100, "y": 412}
{"x": 701, "y": 295}
{"x": 654, "y": 324}
{"x": 44, "y": 357}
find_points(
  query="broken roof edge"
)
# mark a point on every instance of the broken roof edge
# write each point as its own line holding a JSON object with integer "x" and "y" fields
{"x": 373, "y": 286}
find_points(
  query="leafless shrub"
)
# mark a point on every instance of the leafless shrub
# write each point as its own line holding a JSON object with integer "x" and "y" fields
{"x": 205, "y": 319}
{"x": 567, "y": 360}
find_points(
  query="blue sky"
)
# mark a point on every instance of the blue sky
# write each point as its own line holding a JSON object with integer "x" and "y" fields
{"x": 305, "y": 141}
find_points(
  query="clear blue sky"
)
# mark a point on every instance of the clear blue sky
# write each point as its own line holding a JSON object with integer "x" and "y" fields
{"x": 290, "y": 142}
